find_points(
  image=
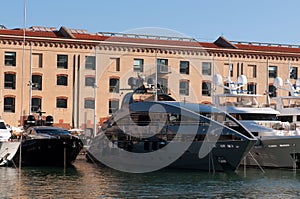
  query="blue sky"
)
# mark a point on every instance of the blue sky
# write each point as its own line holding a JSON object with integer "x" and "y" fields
{"x": 275, "y": 21}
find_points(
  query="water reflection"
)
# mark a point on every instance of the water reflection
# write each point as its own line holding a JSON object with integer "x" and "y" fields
{"x": 86, "y": 180}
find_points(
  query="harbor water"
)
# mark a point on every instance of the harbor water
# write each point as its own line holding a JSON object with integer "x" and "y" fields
{"x": 86, "y": 180}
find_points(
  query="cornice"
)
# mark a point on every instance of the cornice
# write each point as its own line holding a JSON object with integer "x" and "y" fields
{"x": 146, "y": 48}
{"x": 53, "y": 43}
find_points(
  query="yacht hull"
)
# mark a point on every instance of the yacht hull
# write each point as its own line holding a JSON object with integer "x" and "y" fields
{"x": 8, "y": 150}
{"x": 49, "y": 152}
{"x": 277, "y": 152}
{"x": 223, "y": 156}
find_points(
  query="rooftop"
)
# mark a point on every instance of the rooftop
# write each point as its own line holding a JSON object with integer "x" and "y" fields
{"x": 40, "y": 32}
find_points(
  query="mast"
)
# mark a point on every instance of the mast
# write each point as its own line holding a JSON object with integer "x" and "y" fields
{"x": 23, "y": 59}
{"x": 156, "y": 65}
{"x": 267, "y": 83}
{"x": 230, "y": 69}
{"x": 95, "y": 94}
{"x": 290, "y": 70}
{"x": 30, "y": 80}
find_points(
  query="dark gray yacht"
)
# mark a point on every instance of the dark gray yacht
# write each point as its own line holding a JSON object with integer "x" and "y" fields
{"x": 147, "y": 135}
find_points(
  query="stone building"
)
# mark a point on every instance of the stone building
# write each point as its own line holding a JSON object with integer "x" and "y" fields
{"x": 80, "y": 78}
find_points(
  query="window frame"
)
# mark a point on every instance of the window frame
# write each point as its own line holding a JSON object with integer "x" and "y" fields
{"x": 10, "y": 60}
{"x": 206, "y": 91}
{"x": 294, "y": 72}
{"x": 88, "y": 84}
{"x": 37, "y": 60}
{"x": 114, "y": 88}
{"x": 89, "y": 103}
{"x": 230, "y": 67}
{"x": 162, "y": 67}
{"x": 272, "y": 74}
{"x": 62, "y": 61}
{"x": 254, "y": 70}
{"x": 184, "y": 87}
{"x": 163, "y": 84}
{"x": 61, "y": 102}
{"x": 10, "y": 83}
{"x": 112, "y": 109}
{"x": 35, "y": 108}
{"x": 206, "y": 71}
{"x": 272, "y": 90}
{"x": 184, "y": 67}
{"x": 253, "y": 85}
{"x": 62, "y": 83}
{"x": 138, "y": 67}
{"x": 37, "y": 84}
{"x": 12, "y": 105}
{"x": 90, "y": 62}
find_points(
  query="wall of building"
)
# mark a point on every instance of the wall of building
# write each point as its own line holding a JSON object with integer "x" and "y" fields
{"x": 76, "y": 115}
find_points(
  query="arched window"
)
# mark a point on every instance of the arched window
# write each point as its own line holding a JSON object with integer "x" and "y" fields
{"x": 36, "y": 104}
{"x": 113, "y": 106}
{"x": 37, "y": 82}
{"x": 184, "y": 67}
{"x": 62, "y": 61}
{"x": 10, "y": 80}
{"x": 272, "y": 91}
{"x": 138, "y": 65}
{"x": 61, "y": 102}
{"x": 206, "y": 88}
{"x": 9, "y": 104}
{"x": 90, "y": 62}
{"x": 163, "y": 85}
{"x": 251, "y": 88}
{"x": 62, "y": 80}
{"x": 184, "y": 87}
{"x": 10, "y": 59}
{"x": 89, "y": 103}
{"x": 90, "y": 81}
{"x": 114, "y": 85}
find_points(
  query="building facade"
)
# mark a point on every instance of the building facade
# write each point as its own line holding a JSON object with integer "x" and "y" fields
{"x": 80, "y": 78}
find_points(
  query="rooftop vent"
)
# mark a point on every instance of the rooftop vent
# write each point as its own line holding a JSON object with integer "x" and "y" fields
{"x": 42, "y": 29}
{"x": 266, "y": 44}
{"x": 144, "y": 36}
{"x": 2, "y": 26}
{"x": 78, "y": 31}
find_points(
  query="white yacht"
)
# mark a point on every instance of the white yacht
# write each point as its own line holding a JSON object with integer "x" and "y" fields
{"x": 8, "y": 148}
{"x": 288, "y": 106}
{"x": 279, "y": 142}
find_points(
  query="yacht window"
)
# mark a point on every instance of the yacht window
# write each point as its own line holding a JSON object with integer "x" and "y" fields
{"x": 269, "y": 117}
{"x": 53, "y": 131}
{"x": 286, "y": 118}
{"x": 2, "y": 125}
{"x": 174, "y": 119}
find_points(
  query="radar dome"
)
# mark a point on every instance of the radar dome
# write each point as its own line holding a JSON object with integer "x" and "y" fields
{"x": 278, "y": 82}
{"x": 217, "y": 79}
{"x": 298, "y": 82}
{"x": 242, "y": 80}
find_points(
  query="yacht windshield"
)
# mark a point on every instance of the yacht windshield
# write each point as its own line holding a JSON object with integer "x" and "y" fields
{"x": 53, "y": 131}
{"x": 2, "y": 125}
